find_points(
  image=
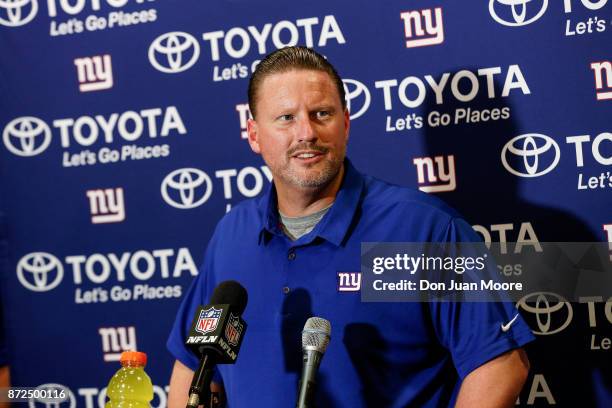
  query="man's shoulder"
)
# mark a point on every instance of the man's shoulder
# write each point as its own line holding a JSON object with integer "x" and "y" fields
{"x": 381, "y": 194}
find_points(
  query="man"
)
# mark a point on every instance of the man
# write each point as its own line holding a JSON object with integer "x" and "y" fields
{"x": 287, "y": 248}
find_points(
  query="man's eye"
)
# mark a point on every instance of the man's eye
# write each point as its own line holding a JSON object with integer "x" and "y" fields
{"x": 285, "y": 118}
{"x": 322, "y": 114}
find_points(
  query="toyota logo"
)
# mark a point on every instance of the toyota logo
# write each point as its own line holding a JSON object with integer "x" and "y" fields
{"x": 533, "y": 149}
{"x": 21, "y": 136}
{"x": 552, "y": 312}
{"x": 353, "y": 90}
{"x": 48, "y": 394}
{"x": 516, "y": 14}
{"x": 35, "y": 271}
{"x": 15, "y": 13}
{"x": 174, "y": 52}
{"x": 183, "y": 188}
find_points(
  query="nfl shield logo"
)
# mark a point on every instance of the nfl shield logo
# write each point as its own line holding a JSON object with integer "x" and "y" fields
{"x": 233, "y": 330}
{"x": 208, "y": 320}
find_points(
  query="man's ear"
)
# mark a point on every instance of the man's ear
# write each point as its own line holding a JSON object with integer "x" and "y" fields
{"x": 347, "y": 124}
{"x": 253, "y": 135}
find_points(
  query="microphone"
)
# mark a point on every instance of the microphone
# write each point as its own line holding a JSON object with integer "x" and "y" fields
{"x": 216, "y": 336}
{"x": 315, "y": 339}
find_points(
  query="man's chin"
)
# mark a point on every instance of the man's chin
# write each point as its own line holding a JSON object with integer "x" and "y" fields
{"x": 313, "y": 178}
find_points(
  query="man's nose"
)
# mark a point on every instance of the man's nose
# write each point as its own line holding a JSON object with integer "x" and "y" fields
{"x": 305, "y": 131}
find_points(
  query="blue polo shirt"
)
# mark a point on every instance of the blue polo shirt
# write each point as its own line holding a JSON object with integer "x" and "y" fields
{"x": 380, "y": 354}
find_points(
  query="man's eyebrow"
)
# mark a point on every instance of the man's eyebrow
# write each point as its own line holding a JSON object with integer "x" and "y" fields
{"x": 279, "y": 110}
{"x": 327, "y": 108}
{"x": 323, "y": 107}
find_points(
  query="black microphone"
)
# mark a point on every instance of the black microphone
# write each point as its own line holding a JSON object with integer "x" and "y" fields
{"x": 216, "y": 336}
{"x": 315, "y": 339}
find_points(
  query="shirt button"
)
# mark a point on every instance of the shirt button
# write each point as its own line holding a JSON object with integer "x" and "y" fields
{"x": 286, "y": 290}
{"x": 291, "y": 255}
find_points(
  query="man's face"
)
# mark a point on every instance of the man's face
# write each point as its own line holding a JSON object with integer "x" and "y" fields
{"x": 301, "y": 129}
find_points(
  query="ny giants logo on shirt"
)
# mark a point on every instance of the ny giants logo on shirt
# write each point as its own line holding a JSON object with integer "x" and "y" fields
{"x": 349, "y": 281}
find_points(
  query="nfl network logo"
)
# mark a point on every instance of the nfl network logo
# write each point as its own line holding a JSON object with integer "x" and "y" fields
{"x": 208, "y": 320}
{"x": 440, "y": 177}
{"x": 233, "y": 330}
{"x": 603, "y": 74}
{"x": 116, "y": 340}
{"x": 422, "y": 27}
{"x": 106, "y": 205}
{"x": 349, "y": 281}
{"x": 94, "y": 73}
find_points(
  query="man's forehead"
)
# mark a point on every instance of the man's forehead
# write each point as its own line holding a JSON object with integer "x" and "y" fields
{"x": 316, "y": 83}
{"x": 298, "y": 74}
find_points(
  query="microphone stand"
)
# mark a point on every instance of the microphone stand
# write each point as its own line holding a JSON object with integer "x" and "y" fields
{"x": 199, "y": 392}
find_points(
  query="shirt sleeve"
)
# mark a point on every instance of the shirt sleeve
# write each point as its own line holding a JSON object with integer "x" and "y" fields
{"x": 472, "y": 331}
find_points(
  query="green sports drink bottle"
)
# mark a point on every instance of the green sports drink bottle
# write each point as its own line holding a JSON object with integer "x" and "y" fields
{"x": 130, "y": 387}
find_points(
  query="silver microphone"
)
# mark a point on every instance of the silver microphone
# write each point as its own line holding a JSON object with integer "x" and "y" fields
{"x": 315, "y": 339}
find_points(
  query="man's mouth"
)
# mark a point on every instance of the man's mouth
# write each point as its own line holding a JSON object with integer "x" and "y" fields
{"x": 307, "y": 155}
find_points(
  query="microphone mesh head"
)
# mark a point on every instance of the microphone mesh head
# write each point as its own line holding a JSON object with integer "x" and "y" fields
{"x": 315, "y": 335}
{"x": 232, "y": 293}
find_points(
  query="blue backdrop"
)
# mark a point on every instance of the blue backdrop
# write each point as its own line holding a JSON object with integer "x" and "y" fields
{"x": 123, "y": 144}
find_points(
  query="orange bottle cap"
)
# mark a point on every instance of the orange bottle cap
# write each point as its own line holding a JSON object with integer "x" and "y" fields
{"x": 136, "y": 357}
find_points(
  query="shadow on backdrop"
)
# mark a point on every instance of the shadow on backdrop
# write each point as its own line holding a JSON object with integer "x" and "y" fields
{"x": 488, "y": 194}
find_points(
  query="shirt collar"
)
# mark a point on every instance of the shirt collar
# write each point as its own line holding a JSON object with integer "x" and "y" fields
{"x": 334, "y": 225}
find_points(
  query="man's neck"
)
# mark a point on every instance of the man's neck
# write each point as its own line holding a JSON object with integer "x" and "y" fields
{"x": 300, "y": 202}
